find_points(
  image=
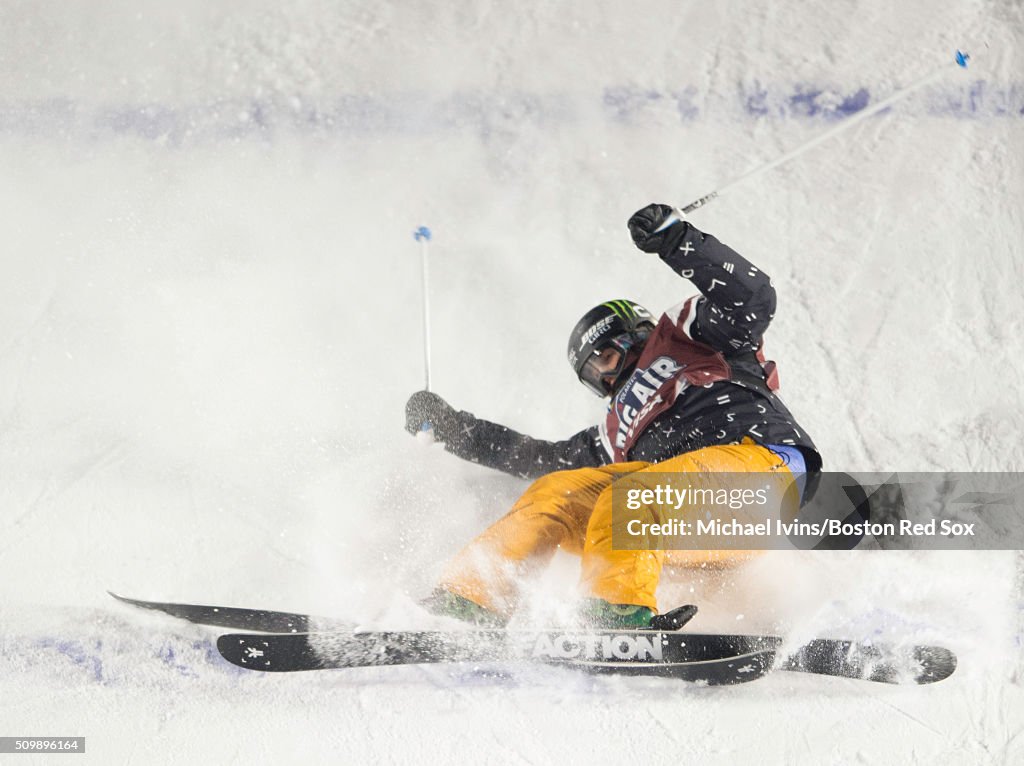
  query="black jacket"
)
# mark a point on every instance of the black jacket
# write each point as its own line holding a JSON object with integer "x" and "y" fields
{"x": 726, "y": 322}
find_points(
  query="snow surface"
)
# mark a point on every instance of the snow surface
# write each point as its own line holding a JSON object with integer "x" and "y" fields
{"x": 209, "y": 324}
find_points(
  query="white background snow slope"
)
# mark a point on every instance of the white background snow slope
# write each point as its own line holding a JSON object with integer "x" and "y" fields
{"x": 209, "y": 325}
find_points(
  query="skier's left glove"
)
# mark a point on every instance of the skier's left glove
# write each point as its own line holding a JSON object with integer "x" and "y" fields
{"x": 655, "y": 228}
{"x": 426, "y": 410}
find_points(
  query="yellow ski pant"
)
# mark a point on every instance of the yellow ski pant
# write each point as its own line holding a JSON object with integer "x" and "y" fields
{"x": 572, "y": 511}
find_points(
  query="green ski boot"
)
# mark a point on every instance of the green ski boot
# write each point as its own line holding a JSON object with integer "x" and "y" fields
{"x": 598, "y": 613}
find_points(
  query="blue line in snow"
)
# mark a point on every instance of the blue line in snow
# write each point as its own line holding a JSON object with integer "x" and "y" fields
{"x": 493, "y": 116}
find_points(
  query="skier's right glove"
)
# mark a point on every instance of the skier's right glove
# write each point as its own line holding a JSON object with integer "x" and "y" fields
{"x": 426, "y": 410}
{"x": 656, "y": 228}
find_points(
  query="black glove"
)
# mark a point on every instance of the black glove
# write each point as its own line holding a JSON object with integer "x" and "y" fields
{"x": 644, "y": 227}
{"x": 427, "y": 409}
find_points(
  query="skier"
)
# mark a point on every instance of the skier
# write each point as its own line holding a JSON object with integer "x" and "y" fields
{"x": 688, "y": 392}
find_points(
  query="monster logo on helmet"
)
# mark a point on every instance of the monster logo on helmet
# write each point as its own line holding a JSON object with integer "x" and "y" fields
{"x": 620, "y": 325}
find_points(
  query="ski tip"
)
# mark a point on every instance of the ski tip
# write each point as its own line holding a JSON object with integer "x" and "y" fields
{"x": 937, "y": 663}
{"x": 131, "y": 601}
{"x": 127, "y": 600}
{"x": 962, "y": 59}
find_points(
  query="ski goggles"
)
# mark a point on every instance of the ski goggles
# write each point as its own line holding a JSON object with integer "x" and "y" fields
{"x": 605, "y": 369}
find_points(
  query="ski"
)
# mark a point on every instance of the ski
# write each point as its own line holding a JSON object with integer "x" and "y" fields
{"x": 240, "y": 618}
{"x": 267, "y": 621}
{"x": 709, "y": 658}
{"x": 820, "y": 656}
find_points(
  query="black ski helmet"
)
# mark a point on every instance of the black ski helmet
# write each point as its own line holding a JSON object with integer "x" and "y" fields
{"x": 621, "y": 323}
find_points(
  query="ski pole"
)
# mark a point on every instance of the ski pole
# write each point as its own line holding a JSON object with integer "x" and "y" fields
{"x": 961, "y": 61}
{"x": 422, "y": 235}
